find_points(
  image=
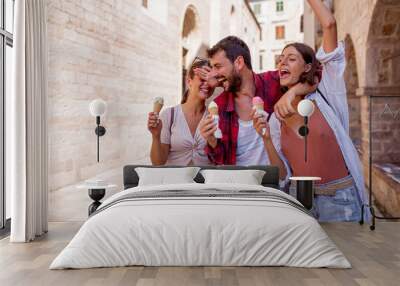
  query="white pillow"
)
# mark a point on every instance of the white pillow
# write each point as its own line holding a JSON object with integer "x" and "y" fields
{"x": 248, "y": 177}
{"x": 166, "y": 176}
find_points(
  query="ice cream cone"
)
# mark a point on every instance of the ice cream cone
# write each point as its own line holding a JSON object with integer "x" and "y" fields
{"x": 213, "y": 108}
{"x": 158, "y": 104}
{"x": 213, "y": 111}
{"x": 258, "y": 103}
{"x": 258, "y": 106}
{"x": 157, "y": 107}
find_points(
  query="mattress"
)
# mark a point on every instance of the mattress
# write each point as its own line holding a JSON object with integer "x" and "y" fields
{"x": 201, "y": 225}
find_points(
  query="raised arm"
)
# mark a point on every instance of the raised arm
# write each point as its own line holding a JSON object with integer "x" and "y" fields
{"x": 328, "y": 23}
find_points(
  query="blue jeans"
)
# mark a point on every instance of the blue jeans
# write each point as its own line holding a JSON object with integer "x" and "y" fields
{"x": 343, "y": 206}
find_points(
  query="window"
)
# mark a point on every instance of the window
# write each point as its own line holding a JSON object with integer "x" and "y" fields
{"x": 6, "y": 44}
{"x": 157, "y": 10}
{"x": 279, "y": 6}
{"x": 257, "y": 9}
{"x": 261, "y": 62}
{"x": 277, "y": 57}
{"x": 302, "y": 24}
{"x": 279, "y": 32}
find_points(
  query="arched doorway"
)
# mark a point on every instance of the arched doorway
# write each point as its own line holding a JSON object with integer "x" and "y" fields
{"x": 232, "y": 21}
{"x": 383, "y": 48}
{"x": 382, "y": 91}
{"x": 351, "y": 80}
{"x": 192, "y": 45}
{"x": 382, "y": 77}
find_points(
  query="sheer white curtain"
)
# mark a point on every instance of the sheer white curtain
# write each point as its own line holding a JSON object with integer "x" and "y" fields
{"x": 28, "y": 123}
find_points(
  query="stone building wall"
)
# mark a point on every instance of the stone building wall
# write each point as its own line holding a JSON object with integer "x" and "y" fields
{"x": 372, "y": 38}
{"x": 270, "y": 18}
{"x": 372, "y": 45}
{"x": 125, "y": 54}
{"x": 234, "y": 17}
{"x": 375, "y": 34}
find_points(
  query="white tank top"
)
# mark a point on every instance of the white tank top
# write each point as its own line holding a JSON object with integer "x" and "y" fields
{"x": 250, "y": 146}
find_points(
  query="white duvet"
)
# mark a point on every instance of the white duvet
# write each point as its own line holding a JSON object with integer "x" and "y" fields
{"x": 200, "y": 231}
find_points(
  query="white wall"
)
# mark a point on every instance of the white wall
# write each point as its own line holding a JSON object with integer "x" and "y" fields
{"x": 311, "y": 25}
{"x": 240, "y": 24}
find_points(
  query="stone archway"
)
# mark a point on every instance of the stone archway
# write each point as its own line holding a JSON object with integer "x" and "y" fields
{"x": 232, "y": 21}
{"x": 382, "y": 87}
{"x": 382, "y": 77}
{"x": 383, "y": 49}
{"x": 191, "y": 41}
{"x": 351, "y": 79}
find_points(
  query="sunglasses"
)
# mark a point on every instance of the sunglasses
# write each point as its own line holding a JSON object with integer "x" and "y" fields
{"x": 198, "y": 59}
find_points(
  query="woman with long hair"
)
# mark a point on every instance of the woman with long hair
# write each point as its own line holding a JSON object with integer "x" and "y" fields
{"x": 175, "y": 136}
{"x": 331, "y": 154}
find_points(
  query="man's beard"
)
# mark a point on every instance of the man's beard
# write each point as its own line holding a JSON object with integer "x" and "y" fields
{"x": 235, "y": 82}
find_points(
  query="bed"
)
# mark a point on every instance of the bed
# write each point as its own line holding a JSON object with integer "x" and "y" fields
{"x": 201, "y": 224}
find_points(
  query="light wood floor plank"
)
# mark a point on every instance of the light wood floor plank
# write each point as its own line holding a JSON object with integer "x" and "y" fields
{"x": 375, "y": 257}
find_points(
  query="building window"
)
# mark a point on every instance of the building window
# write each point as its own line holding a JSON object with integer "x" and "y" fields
{"x": 279, "y": 6}
{"x": 257, "y": 9}
{"x": 279, "y": 32}
{"x": 302, "y": 24}
{"x": 277, "y": 57}
{"x": 261, "y": 62}
{"x": 145, "y": 3}
{"x": 6, "y": 60}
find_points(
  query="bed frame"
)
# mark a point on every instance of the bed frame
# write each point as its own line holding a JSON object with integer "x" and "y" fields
{"x": 270, "y": 179}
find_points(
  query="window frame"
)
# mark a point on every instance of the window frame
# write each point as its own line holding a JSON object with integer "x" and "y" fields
{"x": 302, "y": 23}
{"x": 6, "y": 39}
{"x": 257, "y": 8}
{"x": 276, "y": 59}
{"x": 280, "y": 7}
{"x": 278, "y": 27}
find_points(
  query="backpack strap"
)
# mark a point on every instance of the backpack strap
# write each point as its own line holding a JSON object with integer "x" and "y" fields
{"x": 171, "y": 119}
{"x": 323, "y": 97}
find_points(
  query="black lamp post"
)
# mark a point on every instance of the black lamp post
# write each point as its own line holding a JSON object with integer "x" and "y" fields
{"x": 305, "y": 185}
{"x": 305, "y": 109}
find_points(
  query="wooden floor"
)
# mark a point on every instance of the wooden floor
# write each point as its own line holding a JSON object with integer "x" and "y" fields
{"x": 375, "y": 257}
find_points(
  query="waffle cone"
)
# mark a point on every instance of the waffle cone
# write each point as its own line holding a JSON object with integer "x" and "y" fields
{"x": 157, "y": 107}
{"x": 259, "y": 106}
{"x": 213, "y": 110}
